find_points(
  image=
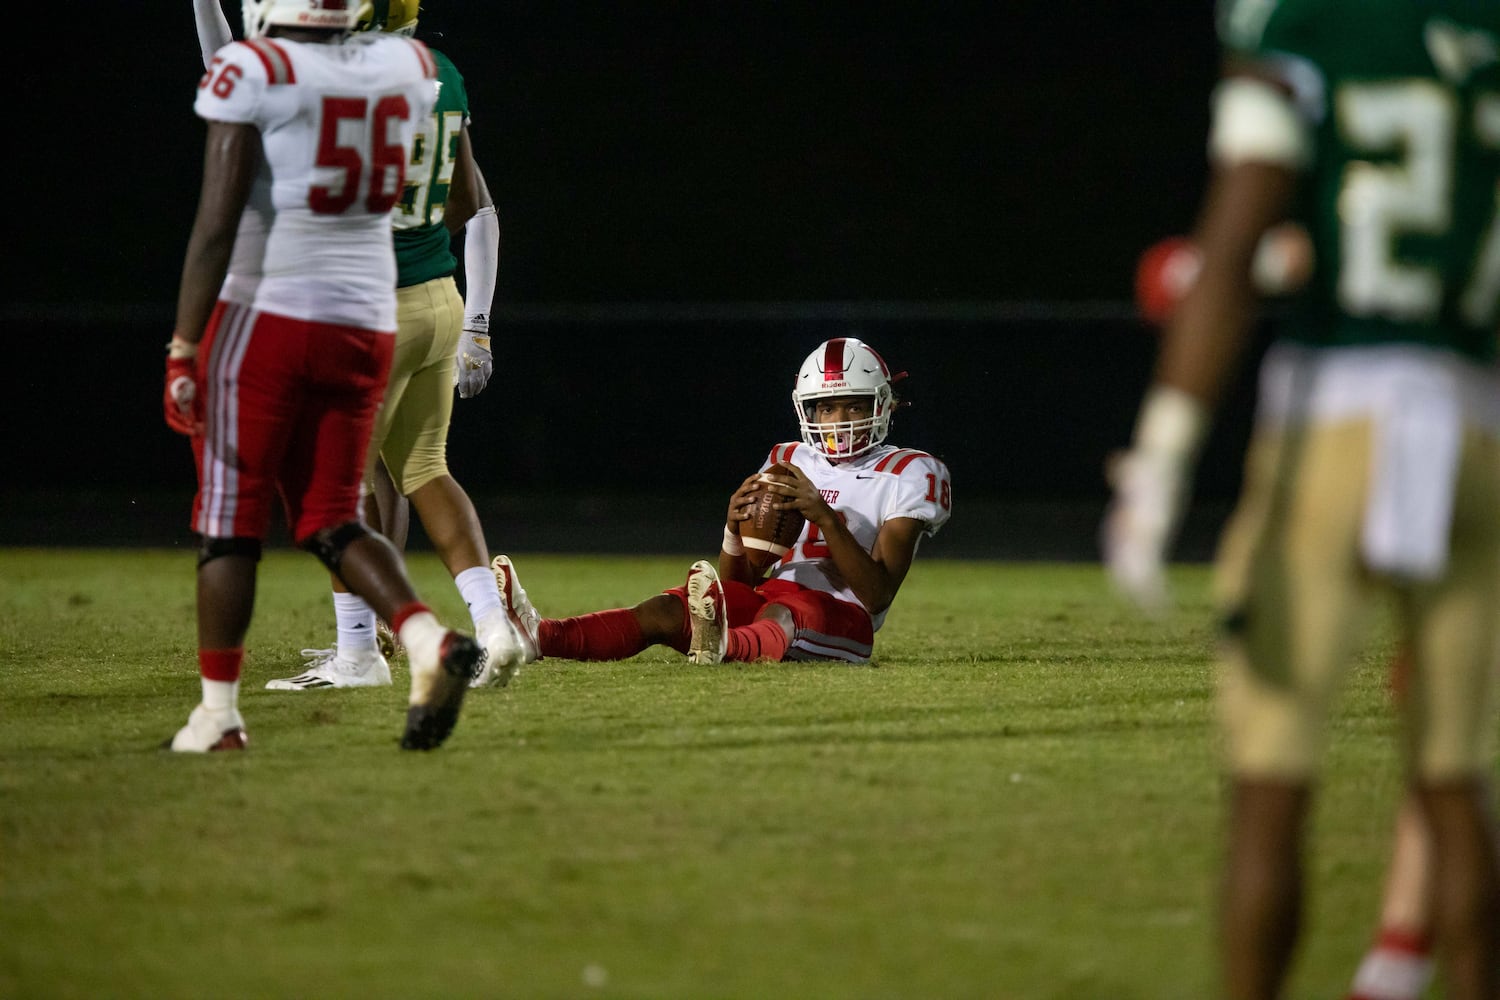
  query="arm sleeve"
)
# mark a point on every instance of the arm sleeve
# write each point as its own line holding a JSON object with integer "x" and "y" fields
{"x": 213, "y": 28}
{"x": 481, "y": 258}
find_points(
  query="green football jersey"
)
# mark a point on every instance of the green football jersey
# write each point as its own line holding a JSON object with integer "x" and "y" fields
{"x": 423, "y": 251}
{"x": 1402, "y": 198}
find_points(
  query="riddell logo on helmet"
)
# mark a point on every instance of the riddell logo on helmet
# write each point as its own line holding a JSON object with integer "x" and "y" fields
{"x": 834, "y": 385}
{"x": 318, "y": 11}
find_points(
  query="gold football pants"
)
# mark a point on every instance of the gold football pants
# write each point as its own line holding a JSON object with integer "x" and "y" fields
{"x": 1294, "y": 590}
{"x": 411, "y": 430}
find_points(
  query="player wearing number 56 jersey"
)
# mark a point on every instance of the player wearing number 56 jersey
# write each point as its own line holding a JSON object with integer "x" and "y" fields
{"x": 1375, "y": 464}
{"x": 336, "y": 123}
{"x": 309, "y": 133}
{"x": 867, "y": 506}
{"x": 442, "y": 340}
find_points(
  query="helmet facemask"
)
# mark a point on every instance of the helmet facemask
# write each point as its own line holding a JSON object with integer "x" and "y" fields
{"x": 844, "y": 369}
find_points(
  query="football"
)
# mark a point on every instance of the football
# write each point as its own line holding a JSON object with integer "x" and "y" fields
{"x": 769, "y": 532}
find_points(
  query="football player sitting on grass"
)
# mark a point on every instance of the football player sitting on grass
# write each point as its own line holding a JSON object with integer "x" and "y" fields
{"x": 867, "y": 505}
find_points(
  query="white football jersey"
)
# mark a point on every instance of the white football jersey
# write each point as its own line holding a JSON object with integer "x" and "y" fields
{"x": 336, "y": 123}
{"x": 865, "y": 492}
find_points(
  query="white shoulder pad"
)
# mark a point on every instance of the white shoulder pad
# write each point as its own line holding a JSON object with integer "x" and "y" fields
{"x": 1255, "y": 122}
{"x": 237, "y": 78}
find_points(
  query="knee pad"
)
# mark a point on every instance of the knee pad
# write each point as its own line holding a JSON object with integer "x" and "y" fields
{"x": 329, "y": 544}
{"x": 210, "y": 549}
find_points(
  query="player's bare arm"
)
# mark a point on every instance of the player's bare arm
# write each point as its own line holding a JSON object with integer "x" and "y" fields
{"x": 467, "y": 192}
{"x": 1206, "y": 336}
{"x": 1259, "y": 147}
{"x": 233, "y": 154}
{"x": 874, "y": 576}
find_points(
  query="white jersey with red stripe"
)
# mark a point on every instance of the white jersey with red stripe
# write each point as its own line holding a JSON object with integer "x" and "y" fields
{"x": 337, "y": 122}
{"x": 865, "y": 492}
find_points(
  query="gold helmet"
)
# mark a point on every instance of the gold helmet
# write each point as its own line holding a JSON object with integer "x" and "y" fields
{"x": 399, "y": 17}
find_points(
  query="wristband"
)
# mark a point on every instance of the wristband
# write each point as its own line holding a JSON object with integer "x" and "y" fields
{"x": 178, "y": 348}
{"x": 732, "y": 544}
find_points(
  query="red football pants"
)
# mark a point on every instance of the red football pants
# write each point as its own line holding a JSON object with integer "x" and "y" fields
{"x": 289, "y": 405}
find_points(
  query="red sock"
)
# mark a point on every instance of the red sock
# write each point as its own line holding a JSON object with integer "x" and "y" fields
{"x": 404, "y": 612}
{"x": 221, "y": 664}
{"x": 1397, "y": 967}
{"x": 603, "y": 635}
{"x": 762, "y": 640}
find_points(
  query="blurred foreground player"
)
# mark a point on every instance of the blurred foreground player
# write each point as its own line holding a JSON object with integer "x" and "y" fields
{"x": 1398, "y": 964}
{"x": 1375, "y": 465}
{"x": 309, "y": 132}
{"x": 867, "y": 504}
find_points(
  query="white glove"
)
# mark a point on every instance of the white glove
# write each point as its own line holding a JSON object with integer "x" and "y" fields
{"x": 1151, "y": 483}
{"x": 1150, "y": 492}
{"x": 473, "y": 363}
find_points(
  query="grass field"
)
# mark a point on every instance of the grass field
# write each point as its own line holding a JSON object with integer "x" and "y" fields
{"x": 1020, "y": 799}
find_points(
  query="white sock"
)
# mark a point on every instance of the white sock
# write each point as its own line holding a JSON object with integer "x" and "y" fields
{"x": 479, "y": 590}
{"x": 356, "y": 624}
{"x": 1398, "y": 967}
{"x": 422, "y": 635}
{"x": 220, "y": 696}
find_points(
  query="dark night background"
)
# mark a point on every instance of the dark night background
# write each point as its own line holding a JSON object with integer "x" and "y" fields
{"x": 692, "y": 197}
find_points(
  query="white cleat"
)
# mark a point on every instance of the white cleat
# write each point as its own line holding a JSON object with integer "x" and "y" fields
{"x": 707, "y": 614}
{"x": 207, "y": 732}
{"x": 328, "y": 668}
{"x": 504, "y": 651}
{"x": 523, "y": 615}
{"x": 439, "y": 681}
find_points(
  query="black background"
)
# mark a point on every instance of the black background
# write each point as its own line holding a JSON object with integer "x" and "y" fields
{"x": 700, "y": 151}
{"x": 679, "y": 186}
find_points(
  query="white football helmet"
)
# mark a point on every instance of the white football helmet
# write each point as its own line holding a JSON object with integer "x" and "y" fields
{"x": 340, "y": 15}
{"x": 838, "y": 368}
{"x": 396, "y": 17}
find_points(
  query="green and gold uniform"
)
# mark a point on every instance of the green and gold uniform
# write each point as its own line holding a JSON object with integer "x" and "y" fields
{"x": 1375, "y": 463}
{"x": 423, "y": 249}
{"x": 411, "y": 430}
{"x": 1403, "y": 102}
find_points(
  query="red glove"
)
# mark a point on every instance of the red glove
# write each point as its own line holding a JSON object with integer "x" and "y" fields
{"x": 182, "y": 403}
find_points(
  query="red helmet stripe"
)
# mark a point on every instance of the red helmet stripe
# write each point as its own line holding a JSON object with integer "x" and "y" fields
{"x": 833, "y": 360}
